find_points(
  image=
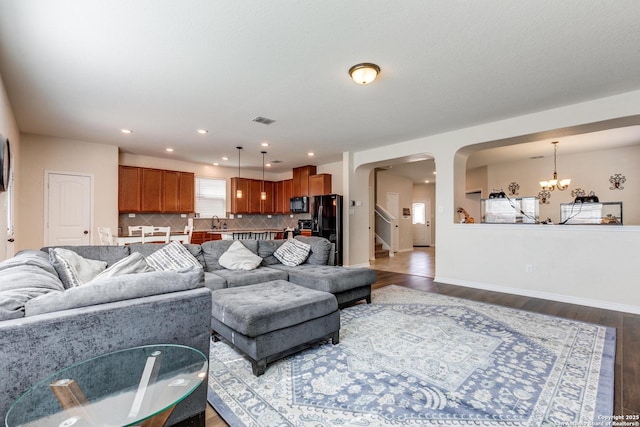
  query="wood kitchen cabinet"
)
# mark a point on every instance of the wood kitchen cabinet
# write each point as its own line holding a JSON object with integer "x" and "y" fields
{"x": 282, "y": 190}
{"x": 239, "y": 205}
{"x": 151, "y": 190}
{"x": 251, "y": 203}
{"x": 301, "y": 180}
{"x": 268, "y": 206}
{"x": 320, "y": 184}
{"x": 129, "y": 179}
{"x": 178, "y": 192}
{"x": 187, "y": 198}
{"x": 155, "y": 190}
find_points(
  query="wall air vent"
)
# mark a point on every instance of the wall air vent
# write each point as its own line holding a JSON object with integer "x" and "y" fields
{"x": 263, "y": 120}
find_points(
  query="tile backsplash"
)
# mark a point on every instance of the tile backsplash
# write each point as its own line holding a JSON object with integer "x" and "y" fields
{"x": 176, "y": 222}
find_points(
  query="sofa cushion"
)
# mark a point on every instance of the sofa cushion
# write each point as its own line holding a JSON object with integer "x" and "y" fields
{"x": 109, "y": 254}
{"x": 238, "y": 257}
{"x": 329, "y": 278}
{"x": 74, "y": 269}
{"x": 213, "y": 281}
{"x": 292, "y": 252}
{"x": 213, "y": 250}
{"x": 266, "y": 248}
{"x": 320, "y": 249}
{"x": 134, "y": 263}
{"x": 27, "y": 275}
{"x": 172, "y": 257}
{"x": 265, "y": 307}
{"x": 147, "y": 249}
{"x": 234, "y": 278}
{"x": 116, "y": 288}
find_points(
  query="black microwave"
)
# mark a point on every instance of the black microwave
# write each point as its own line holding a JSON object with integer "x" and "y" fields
{"x": 299, "y": 204}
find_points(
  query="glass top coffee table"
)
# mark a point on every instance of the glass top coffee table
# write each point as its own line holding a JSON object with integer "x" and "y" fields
{"x": 136, "y": 386}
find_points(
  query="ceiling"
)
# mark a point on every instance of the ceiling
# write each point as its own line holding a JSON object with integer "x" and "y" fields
{"x": 86, "y": 69}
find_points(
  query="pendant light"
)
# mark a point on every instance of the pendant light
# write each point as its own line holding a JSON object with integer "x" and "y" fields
{"x": 554, "y": 183}
{"x": 263, "y": 194}
{"x": 239, "y": 191}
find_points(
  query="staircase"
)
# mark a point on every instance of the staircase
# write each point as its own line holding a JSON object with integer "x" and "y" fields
{"x": 380, "y": 252}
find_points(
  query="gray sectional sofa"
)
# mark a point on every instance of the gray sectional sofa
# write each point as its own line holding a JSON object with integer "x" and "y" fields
{"x": 45, "y": 327}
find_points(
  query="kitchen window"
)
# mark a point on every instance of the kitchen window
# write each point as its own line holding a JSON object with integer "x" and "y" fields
{"x": 211, "y": 197}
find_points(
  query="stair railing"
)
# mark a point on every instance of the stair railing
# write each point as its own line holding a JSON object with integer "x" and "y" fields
{"x": 384, "y": 227}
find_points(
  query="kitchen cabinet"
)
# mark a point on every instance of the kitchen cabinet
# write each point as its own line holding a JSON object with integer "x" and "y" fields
{"x": 320, "y": 184}
{"x": 187, "y": 197}
{"x": 255, "y": 188}
{"x": 129, "y": 179}
{"x": 251, "y": 203}
{"x": 155, "y": 190}
{"x": 151, "y": 190}
{"x": 301, "y": 180}
{"x": 283, "y": 191}
{"x": 239, "y": 205}
{"x": 199, "y": 237}
{"x": 268, "y": 206}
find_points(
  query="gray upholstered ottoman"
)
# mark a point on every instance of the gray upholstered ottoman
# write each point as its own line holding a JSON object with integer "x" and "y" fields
{"x": 270, "y": 320}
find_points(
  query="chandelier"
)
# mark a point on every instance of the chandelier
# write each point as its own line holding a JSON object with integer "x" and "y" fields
{"x": 554, "y": 183}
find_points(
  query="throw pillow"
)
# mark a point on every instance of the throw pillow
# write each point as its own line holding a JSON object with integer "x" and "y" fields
{"x": 292, "y": 252}
{"x": 238, "y": 257}
{"x": 172, "y": 257}
{"x": 73, "y": 269}
{"x": 134, "y": 263}
{"x": 320, "y": 249}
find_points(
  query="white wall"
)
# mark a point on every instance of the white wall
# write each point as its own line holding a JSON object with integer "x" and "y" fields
{"x": 587, "y": 265}
{"x": 9, "y": 129}
{"x": 39, "y": 154}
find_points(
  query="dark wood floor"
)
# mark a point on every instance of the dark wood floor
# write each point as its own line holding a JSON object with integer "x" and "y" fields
{"x": 627, "y": 366}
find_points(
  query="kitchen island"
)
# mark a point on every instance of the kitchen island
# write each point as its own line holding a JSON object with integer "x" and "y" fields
{"x": 201, "y": 236}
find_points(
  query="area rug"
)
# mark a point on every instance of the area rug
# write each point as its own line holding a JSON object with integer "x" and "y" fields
{"x": 415, "y": 358}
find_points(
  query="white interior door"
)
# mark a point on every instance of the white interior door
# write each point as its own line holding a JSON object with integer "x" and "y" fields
{"x": 420, "y": 219}
{"x": 68, "y": 209}
{"x": 393, "y": 207}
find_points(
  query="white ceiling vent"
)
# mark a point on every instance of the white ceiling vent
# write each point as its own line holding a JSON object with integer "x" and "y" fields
{"x": 263, "y": 120}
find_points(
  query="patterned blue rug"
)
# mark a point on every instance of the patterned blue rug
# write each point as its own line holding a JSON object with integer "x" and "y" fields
{"x": 414, "y": 358}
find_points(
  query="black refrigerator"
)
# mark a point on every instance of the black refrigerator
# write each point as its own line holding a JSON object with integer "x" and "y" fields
{"x": 326, "y": 214}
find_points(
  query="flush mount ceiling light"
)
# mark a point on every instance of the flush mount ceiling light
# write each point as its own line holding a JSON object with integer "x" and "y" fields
{"x": 364, "y": 73}
{"x": 126, "y": 131}
{"x": 238, "y": 191}
{"x": 554, "y": 183}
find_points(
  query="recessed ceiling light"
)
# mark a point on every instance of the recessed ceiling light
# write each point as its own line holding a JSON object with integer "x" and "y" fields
{"x": 202, "y": 131}
{"x": 225, "y": 158}
{"x": 126, "y": 131}
{"x": 268, "y": 165}
{"x": 170, "y": 150}
{"x": 265, "y": 144}
{"x": 434, "y": 172}
{"x": 311, "y": 154}
{"x": 426, "y": 181}
{"x": 216, "y": 164}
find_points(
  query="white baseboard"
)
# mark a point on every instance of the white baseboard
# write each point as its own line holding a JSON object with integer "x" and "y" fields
{"x": 607, "y": 305}
{"x": 364, "y": 264}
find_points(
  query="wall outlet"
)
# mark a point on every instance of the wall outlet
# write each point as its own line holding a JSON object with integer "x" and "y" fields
{"x": 268, "y": 216}
{"x": 231, "y": 216}
{"x": 528, "y": 268}
{"x": 132, "y": 215}
{"x": 239, "y": 216}
{"x": 183, "y": 215}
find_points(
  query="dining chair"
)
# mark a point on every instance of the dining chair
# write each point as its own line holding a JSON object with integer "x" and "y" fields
{"x": 239, "y": 235}
{"x": 105, "y": 236}
{"x": 155, "y": 234}
{"x": 262, "y": 235}
{"x": 135, "y": 229}
{"x": 188, "y": 230}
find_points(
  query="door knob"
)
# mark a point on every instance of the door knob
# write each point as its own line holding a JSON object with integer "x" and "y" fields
{"x": 85, "y": 232}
